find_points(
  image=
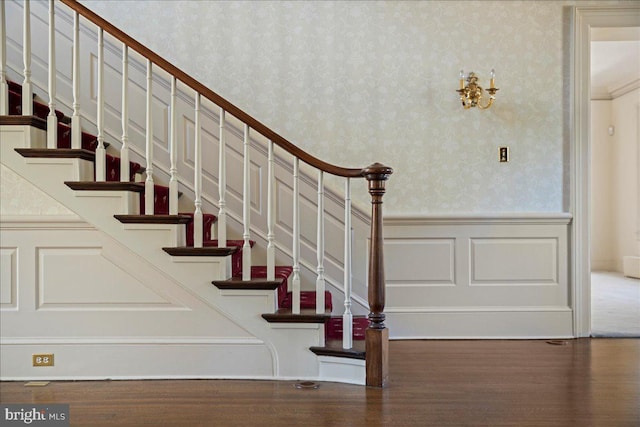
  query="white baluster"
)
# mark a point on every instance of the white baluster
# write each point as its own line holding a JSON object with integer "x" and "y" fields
{"x": 295, "y": 279}
{"x": 246, "y": 208}
{"x": 52, "y": 119}
{"x": 347, "y": 317}
{"x": 320, "y": 280}
{"x": 124, "y": 150}
{"x": 76, "y": 130}
{"x": 271, "y": 248}
{"x": 148, "y": 184}
{"x": 101, "y": 160}
{"x": 197, "y": 179}
{"x": 27, "y": 89}
{"x": 222, "y": 185}
{"x": 4, "y": 86}
{"x": 173, "y": 154}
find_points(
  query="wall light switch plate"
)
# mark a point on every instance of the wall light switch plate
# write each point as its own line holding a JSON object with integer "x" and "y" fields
{"x": 504, "y": 154}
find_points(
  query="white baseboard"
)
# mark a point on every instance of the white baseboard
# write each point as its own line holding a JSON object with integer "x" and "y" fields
{"x": 482, "y": 324}
{"x": 128, "y": 359}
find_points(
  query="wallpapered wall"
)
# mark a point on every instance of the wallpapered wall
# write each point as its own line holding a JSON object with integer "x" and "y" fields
{"x": 20, "y": 197}
{"x": 358, "y": 82}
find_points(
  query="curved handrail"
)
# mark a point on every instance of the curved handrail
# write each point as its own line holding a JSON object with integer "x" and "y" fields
{"x": 211, "y": 95}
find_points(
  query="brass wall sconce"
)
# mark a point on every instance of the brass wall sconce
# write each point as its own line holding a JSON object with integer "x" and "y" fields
{"x": 471, "y": 92}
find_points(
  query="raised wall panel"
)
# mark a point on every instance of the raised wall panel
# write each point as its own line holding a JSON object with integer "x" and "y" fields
{"x": 284, "y": 206}
{"x": 210, "y": 148}
{"x": 308, "y": 221}
{"x": 64, "y": 57}
{"x": 159, "y": 112}
{"x": 113, "y": 95}
{"x": 334, "y": 229}
{"x": 82, "y": 278}
{"x": 334, "y": 242}
{"x": 8, "y": 278}
{"x": 514, "y": 261}
{"x": 235, "y": 166}
{"x": 434, "y": 259}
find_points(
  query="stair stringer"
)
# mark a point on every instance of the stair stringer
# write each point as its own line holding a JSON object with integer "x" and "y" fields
{"x": 289, "y": 344}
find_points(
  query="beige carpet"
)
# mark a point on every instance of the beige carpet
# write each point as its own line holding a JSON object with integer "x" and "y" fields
{"x": 615, "y": 305}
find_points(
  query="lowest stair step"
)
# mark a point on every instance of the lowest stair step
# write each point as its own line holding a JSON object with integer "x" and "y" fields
{"x": 334, "y": 348}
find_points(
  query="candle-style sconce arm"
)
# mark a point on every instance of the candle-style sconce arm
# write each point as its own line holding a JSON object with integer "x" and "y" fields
{"x": 471, "y": 93}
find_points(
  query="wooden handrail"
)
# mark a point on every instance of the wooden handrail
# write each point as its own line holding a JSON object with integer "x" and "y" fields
{"x": 211, "y": 95}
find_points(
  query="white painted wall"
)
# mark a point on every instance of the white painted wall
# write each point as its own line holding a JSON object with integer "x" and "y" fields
{"x": 614, "y": 180}
{"x": 625, "y": 113}
{"x": 602, "y": 257}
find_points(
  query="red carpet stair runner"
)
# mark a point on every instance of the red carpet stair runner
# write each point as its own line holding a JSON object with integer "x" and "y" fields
{"x": 333, "y": 325}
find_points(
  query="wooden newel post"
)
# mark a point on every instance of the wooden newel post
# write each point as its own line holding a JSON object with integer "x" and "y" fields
{"x": 377, "y": 335}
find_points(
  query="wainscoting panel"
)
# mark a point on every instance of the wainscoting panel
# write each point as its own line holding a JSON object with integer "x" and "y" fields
{"x": 513, "y": 261}
{"x": 470, "y": 276}
{"x": 436, "y": 256}
{"x": 8, "y": 276}
{"x": 105, "y": 312}
{"x": 105, "y": 284}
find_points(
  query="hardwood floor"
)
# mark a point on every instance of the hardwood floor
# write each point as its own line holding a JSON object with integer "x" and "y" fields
{"x": 586, "y": 382}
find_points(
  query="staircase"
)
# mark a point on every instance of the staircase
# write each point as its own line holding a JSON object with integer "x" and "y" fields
{"x": 130, "y": 201}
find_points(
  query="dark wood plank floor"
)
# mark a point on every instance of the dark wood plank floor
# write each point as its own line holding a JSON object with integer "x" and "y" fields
{"x": 432, "y": 383}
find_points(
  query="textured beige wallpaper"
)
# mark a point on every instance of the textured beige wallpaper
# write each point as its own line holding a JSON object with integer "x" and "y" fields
{"x": 19, "y": 197}
{"x": 358, "y": 82}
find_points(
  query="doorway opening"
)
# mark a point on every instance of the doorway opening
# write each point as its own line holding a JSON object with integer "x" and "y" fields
{"x": 615, "y": 120}
{"x": 587, "y": 20}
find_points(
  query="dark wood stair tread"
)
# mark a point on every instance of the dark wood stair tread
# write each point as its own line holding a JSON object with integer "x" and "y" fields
{"x": 334, "y": 348}
{"x": 254, "y": 284}
{"x": 154, "y": 219}
{"x": 307, "y": 315}
{"x": 57, "y": 153}
{"x": 34, "y": 121}
{"x": 258, "y": 279}
{"x": 137, "y": 187}
{"x": 204, "y": 251}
